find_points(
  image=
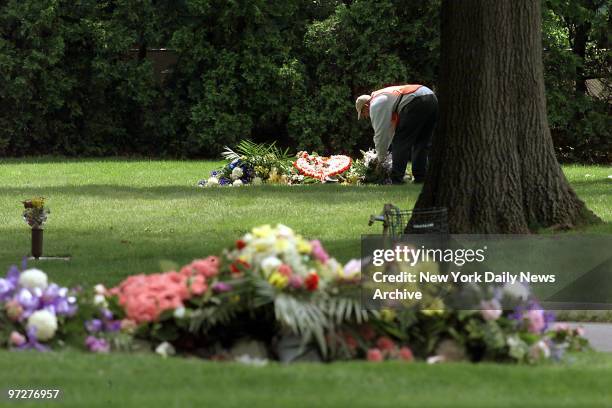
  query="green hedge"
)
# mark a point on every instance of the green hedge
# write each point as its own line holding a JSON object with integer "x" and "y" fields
{"x": 284, "y": 70}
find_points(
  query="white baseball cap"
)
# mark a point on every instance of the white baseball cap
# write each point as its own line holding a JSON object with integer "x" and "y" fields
{"x": 360, "y": 102}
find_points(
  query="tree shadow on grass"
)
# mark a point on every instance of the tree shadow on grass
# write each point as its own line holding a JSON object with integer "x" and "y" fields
{"x": 320, "y": 194}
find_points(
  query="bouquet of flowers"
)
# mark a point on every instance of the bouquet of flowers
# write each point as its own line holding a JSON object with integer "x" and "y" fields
{"x": 35, "y": 213}
{"x": 369, "y": 170}
{"x": 251, "y": 163}
{"x": 32, "y": 310}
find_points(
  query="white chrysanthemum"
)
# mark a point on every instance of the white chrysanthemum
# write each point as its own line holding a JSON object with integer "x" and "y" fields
{"x": 270, "y": 264}
{"x": 45, "y": 323}
{"x": 33, "y": 278}
{"x": 237, "y": 183}
{"x": 212, "y": 181}
{"x": 257, "y": 181}
{"x": 237, "y": 173}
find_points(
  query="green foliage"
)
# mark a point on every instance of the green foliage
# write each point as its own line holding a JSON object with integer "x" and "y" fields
{"x": 76, "y": 80}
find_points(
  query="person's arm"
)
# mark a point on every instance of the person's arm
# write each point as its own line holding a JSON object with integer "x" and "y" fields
{"x": 380, "y": 115}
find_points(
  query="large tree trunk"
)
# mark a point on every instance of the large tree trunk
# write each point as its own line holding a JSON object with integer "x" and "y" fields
{"x": 492, "y": 161}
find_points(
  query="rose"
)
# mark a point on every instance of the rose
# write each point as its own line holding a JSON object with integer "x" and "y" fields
{"x": 45, "y": 324}
{"x": 33, "y": 278}
{"x": 312, "y": 281}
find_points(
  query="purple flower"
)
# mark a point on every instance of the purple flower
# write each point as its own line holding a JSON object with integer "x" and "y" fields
{"x": 107, "y": 314}
{"x": 224, "y": 181}
{"x": 6, "y": 289}
{"x": 28, "y": 301}
{"x": 97, "y": 345}
{"x": 534, "y": 316}
{"x": 221, "y": 287}
{"x": 93, "y": 326}
{"x": 32, "y": 343}
{"x": 112, "y": 325}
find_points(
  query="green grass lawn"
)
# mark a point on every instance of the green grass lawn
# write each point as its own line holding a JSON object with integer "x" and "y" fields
{"x": 118, "y": 217}
{"x": 150, "y": 381}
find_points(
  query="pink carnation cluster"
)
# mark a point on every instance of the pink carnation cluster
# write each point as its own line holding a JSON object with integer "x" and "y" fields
{"x": 145, "y": 297}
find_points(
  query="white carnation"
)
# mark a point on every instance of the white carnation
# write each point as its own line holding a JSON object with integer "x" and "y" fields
{"x": 237, "y": 183}
{"x": 270, "y": 264}
{"x": 212, "y": 181}
{"x": 45, "y": 324}
{"x": 237, "y": 173}
{"x": 33, "y": 278}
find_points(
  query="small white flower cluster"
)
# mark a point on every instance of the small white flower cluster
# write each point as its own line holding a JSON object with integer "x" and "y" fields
{"x": 371, "y": 155}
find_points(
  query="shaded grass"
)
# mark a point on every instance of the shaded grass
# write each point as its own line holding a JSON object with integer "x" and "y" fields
{"x": 118, "y": 217}
{"x": 150, "y": 381}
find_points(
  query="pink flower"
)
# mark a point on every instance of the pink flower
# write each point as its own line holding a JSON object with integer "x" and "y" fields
{"x": 285, "y": 270}
{"x": 561, "y": 327}
{"x": 198, "y": 285}
{"x": 318, "y": 252}
{"x": 208, "y": 267}
{"x": 490, "y": 310}
{"x": 385, "y": 344}
{"x": 296, "y": 281}
{"x": 536, "y": 321}
{"x": 375, "y": 355}
{"x": 406, "y": 354}
{"x": 580, "y": 331}
{"x": 367, "y": 332}
{"x": 17, "y": 339}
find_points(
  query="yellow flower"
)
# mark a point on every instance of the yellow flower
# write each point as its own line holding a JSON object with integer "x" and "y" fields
{"x": 263, "y": 231}
{"x": 281, "y": 245}
{"x": 435, "y": 308}
{"x": 387, "y": 315}
{"x": 278, "y": 280}
{"x": 303, "y": 246}
{"x": 38, "y": 202}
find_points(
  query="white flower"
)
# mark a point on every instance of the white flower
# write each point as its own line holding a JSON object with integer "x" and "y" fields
{"x": 539, "y": 351}
{"x": 516, "y": 290}
{"x": 100, "y": 300}
{"x": 237, "y": 173}
{"x": 284, "y": 231}
{"x": 212, "y": 181}
{"x": 270, "y": 264}
{"x": 237, "y": 183}
{"x": 100, "y": 289}
{"x": 351, "y": 270}
{"x": 45, "y": 324}
{"x": 165, "y": 349}
{"x": 33, "y": 278}
{"x": 179, "y": 312}
{"x": 257, "y": 181}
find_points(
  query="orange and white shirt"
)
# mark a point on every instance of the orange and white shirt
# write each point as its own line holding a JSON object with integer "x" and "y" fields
{"x": 384, "y": 113}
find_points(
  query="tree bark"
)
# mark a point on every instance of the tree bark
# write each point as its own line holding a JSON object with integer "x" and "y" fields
{"x": 492, "y": 161}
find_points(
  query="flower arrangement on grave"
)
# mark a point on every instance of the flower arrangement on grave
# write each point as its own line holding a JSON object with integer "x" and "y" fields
{"x": 35, "y": 214}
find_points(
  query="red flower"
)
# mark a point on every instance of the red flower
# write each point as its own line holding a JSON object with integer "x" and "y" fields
{"x": 240, "y": 244}
{"x": 312, "y": 281}
{"x": 375, "y": 355}
{"x": 406, "y": 354}
{"x": 385, "y": 344}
